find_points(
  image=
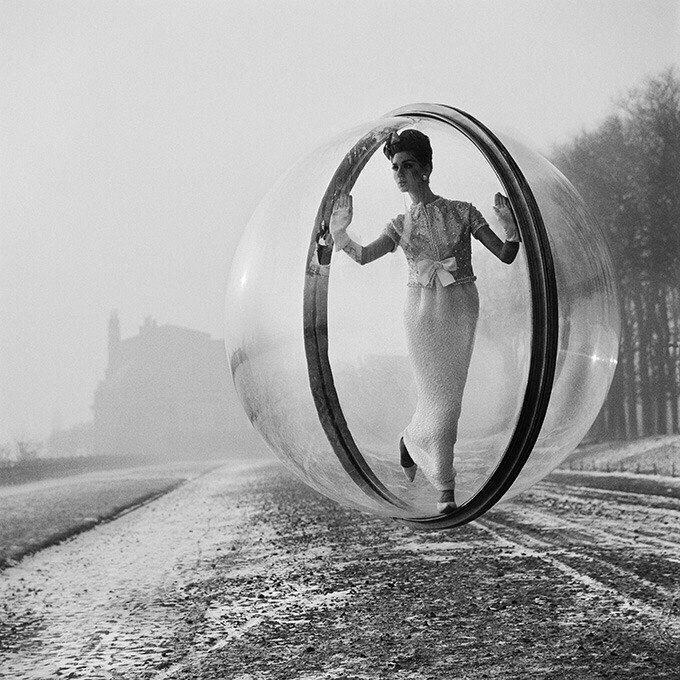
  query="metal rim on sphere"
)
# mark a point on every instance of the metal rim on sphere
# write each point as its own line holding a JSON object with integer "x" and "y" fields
{"x": 544, "y": 317}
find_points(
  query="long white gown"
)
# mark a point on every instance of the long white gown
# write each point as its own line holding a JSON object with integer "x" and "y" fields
{"x": 440, "y": 318}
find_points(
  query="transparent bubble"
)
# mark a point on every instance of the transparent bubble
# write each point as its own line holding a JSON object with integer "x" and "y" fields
{"x": 317, "y": 345}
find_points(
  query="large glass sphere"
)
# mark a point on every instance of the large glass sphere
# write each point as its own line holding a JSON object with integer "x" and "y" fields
{"x": 317, "y": 346}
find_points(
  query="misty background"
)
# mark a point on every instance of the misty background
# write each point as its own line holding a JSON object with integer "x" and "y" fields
{"x": 136, "y": 139}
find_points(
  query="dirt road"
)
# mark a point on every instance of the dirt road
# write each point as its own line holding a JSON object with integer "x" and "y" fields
{"x": 247, "y": 574}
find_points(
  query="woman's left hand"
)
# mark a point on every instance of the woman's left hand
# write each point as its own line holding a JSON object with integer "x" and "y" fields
{"x": 505, "y": 217}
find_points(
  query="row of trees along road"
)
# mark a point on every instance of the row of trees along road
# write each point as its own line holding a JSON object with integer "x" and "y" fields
{"x": 628, "y": 172}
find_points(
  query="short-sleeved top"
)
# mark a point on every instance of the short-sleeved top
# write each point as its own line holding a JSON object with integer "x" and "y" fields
{"x": 437, "y": 231}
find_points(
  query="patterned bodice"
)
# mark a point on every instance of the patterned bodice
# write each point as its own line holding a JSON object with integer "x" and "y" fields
{"x": 436, "y": 241}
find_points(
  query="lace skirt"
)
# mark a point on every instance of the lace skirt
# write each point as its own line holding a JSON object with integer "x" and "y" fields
{"x": 440, "y": 327}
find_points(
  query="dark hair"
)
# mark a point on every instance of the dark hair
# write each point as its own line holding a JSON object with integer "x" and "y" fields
{"x": 413, "y": 141}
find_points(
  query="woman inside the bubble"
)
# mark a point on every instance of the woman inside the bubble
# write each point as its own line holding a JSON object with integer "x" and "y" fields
{"x": 442, "y": 303}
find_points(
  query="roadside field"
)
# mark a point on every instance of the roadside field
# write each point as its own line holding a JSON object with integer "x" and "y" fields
{"x": 35, "y": 515}
{"x": 657, "y": 455}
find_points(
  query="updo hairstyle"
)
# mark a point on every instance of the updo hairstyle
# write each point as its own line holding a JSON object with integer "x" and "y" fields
{"x": 411, "y": 141}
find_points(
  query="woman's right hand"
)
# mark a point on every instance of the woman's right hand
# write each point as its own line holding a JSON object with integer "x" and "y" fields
{"x": 341, "y": 216}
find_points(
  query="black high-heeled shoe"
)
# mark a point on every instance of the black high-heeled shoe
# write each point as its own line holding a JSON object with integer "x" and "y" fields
{"x": 407, "y": 464}
{"x": 447, "y": 502}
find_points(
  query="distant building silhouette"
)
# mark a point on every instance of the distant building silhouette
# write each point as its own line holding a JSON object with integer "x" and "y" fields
{"x": 166, "y": 393}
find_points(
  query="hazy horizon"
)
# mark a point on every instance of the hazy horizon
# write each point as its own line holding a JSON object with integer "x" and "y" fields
{"x": 138, "y": 138}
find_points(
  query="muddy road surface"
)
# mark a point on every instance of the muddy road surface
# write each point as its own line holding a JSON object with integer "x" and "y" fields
{"x": 244, "y": 573}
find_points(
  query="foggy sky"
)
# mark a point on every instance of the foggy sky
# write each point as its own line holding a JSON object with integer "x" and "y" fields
{"x": 136, "y": 138}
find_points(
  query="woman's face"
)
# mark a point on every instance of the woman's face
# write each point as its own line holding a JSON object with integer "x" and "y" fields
{"x": 408, "y": 172}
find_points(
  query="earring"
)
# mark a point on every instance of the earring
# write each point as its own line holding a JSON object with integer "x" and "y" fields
{"x": 425, "y": 177}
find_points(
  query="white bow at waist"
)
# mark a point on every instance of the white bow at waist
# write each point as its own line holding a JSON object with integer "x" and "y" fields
{"x": 428, "y": 268}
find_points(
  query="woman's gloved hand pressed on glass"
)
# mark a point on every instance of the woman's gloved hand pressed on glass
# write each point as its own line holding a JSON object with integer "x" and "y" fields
{"x": 506, "y": 218}
{"x": 341, "y": 216}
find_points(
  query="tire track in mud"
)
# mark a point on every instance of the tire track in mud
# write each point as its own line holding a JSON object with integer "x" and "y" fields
{"x": 601, "y": 577}
{"x": 655, "y": 520}
{"x": 655, "y": 505}
{"x": 619, "y": 560}
{"x": 606, "y": 531}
